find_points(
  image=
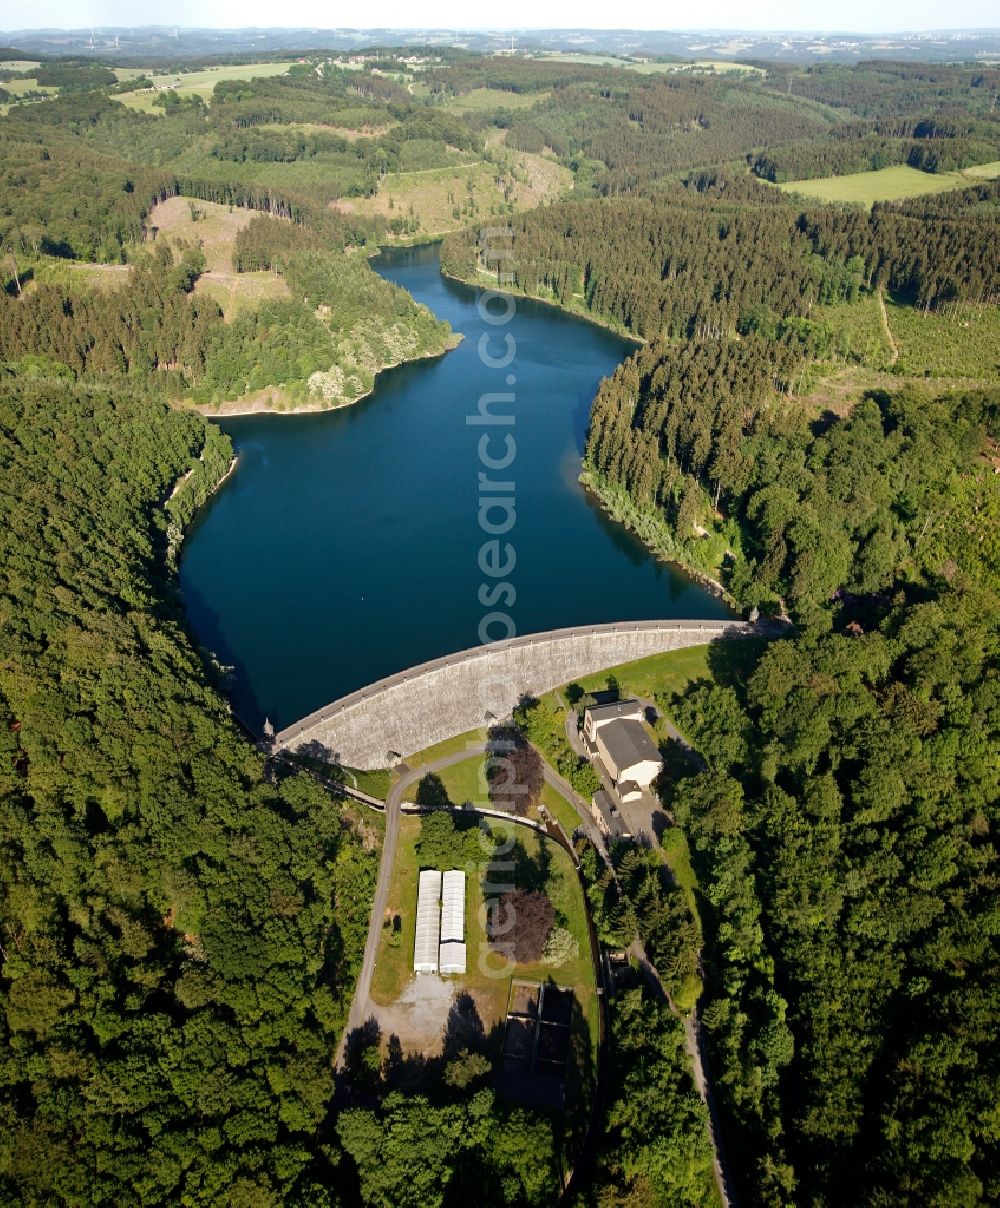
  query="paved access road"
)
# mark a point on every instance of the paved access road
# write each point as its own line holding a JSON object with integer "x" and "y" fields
{"x": 360, "y": 1006}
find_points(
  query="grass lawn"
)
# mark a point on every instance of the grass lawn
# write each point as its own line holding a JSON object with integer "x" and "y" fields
{"x": 466, "y": 781}
{"x": 887, "y": 184}
{"x": 675, "y": 669}
{"x": 375, "y": 783}
{"x": 562, "y": 810}
{"x": 394, "y": 961}
{"x": 450, "y": 746}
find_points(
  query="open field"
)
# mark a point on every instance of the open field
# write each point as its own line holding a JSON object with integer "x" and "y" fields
{"x": 723, "y": 66}
{"x": 215, "y": 230}
{"x": 888, "y": 184}
{"x": 446, "y": 199}
{"x": 595, "y": 60}
{"x": 648, "y": 66}
{"x": 21, "y": 87}
{"x": 988, "y": 171}
{"x": 484, "y": 100}
{"x": 199, "y": 83}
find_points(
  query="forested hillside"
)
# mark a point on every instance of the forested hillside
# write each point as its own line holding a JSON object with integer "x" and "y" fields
{"x": 844, "y": 838}
{"x": 180, "y": 933}
{"x": 700, "y": 440}
{"x": 323, "y": 345}
{"x": 811, "y": 419}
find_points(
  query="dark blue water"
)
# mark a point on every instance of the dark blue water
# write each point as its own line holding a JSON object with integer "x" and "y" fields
{"x": 345, "y": 546}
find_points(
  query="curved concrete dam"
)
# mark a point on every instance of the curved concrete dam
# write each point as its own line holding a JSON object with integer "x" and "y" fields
{"x": 378, "y": 725}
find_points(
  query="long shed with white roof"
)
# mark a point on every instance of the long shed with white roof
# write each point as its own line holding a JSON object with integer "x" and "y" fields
{"x": 453, "y": 905}
{"x": 428, "y": 929}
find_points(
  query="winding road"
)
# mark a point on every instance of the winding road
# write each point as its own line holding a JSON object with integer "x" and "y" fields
{"x": 361, "y": 1005}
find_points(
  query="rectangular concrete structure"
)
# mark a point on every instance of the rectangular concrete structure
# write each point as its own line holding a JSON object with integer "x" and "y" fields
{"x": 428, "y": 929}
{"x": 378, "y": 726}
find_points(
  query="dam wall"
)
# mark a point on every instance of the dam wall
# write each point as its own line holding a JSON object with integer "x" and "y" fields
{"x": 378, "y": 726}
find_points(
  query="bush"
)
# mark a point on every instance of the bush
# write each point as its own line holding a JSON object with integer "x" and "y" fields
{"x": 560, "y": 948}
{"x": 521, "y": 924}
{"x": 514, "y": 771}
{"x": 449, "y": 839}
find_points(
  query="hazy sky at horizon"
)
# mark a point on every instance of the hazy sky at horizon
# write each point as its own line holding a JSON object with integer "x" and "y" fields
{"x": 859, "y": 16}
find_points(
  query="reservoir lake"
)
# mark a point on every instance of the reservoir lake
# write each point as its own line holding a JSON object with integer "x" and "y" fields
{"x": 346, "y": 545}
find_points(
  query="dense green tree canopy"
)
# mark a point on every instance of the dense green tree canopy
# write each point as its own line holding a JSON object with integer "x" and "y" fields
{"x": 180, "y": 923}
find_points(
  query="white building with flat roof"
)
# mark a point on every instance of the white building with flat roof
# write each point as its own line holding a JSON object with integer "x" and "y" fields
{"x": 452, "y": 957}
{"x": 428, "y": 930}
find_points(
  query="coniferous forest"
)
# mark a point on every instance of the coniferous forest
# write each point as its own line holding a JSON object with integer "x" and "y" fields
{"x": 182, "y": 921}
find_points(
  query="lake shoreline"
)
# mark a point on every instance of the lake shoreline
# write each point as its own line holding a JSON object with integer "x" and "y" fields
{"x": 236, "y": 407}
{"x": 585, "y": 315}
{"x": 607, "y": 504}
{"x": 365, "y": 527}
{"x": 603, "y": 499}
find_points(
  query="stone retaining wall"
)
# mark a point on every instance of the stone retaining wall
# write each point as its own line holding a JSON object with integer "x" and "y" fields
{"x": 383, "y": 723}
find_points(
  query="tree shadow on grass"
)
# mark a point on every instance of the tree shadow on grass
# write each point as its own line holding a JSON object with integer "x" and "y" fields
{"x": 511, "y": 867}
{"x": 431, "y": 791}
